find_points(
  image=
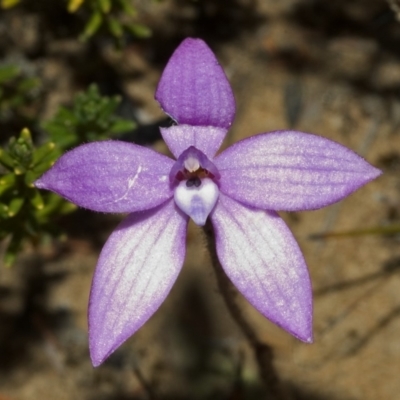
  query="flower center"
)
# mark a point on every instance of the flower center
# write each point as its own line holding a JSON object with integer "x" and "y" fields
{"x": 195, "y": 179}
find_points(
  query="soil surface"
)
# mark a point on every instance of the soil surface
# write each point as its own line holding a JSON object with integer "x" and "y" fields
{"x": 326, "y": 67}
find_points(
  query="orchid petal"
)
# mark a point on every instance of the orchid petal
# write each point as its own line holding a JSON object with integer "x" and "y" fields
{"x": 261, "y": 257}
{"x": 135, "y": 272}
{"x": 289, "y": 170}
{"x": 208, "y": 139}
{"x": 193, "y": 88}
{"x": 111, "y": 176}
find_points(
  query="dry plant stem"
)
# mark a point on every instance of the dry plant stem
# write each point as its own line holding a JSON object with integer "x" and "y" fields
{"x": 263, "y": 352}
{"x": 395, "y": 6}
{"x": 146, "y": 385}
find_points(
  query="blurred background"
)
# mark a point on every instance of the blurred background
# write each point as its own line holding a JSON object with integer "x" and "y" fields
{"x": 326, "y": 67}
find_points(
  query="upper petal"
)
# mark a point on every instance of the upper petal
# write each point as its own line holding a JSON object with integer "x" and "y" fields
{"x": 111, "y": 176}
{"x": 135, "y": 272}
{"x": 208, "y": 139}
{"x": 193, "y": 88}
{"x": 289, "y": 170}
{"x": 261, "y": 257}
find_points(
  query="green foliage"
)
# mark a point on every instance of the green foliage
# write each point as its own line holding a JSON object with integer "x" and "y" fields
{"x": 25, "y": 212}
{"x": 116, "y": 16}
{"x": 8, "y": 3}
{"x": 16, "y": 92}
{"x": 91, "y": 117}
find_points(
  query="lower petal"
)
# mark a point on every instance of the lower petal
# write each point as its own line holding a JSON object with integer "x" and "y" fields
{"x": 135, "y": 272}
{"x": 261, "y": 257}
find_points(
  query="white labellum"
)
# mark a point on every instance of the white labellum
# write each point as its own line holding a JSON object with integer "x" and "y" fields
{"x": 197, "y": 201}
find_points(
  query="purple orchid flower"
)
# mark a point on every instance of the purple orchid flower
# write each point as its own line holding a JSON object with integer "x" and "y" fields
{"x": 240, "y": 190}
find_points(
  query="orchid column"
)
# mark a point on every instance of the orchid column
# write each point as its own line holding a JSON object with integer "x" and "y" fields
{"x": 239, "y": 191}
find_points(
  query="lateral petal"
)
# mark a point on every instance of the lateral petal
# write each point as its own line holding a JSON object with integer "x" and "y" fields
{"x": 261, "y": 257}
{"x": 111, "y": 176}
{"x": 207, "y": 139}
{"x": 135, "y": 272}
{"x": 193, "y": 88}
{"x": 291, "y": 171}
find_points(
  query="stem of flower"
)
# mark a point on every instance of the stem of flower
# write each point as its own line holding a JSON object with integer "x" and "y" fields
{"x": 263, "y": 353}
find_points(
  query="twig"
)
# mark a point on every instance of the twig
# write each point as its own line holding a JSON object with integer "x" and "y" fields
{"x": 395, "y": 6}
{"x": 145, "y": 385}
{"x": 263, "y": 352}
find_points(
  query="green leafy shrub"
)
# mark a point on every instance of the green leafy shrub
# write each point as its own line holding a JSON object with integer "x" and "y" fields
{"x": 117, "y": 16}
{"x": 25, "y": 212}
{"x": 17, "y": 92}
{"x": 8, "y": 3}
{"x": 91, "y": 117}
